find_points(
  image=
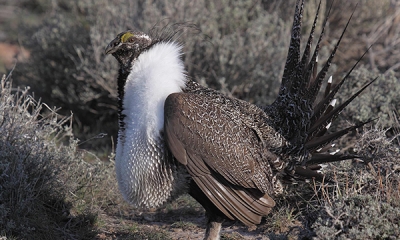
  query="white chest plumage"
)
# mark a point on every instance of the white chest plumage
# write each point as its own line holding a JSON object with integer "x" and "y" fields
{"x": 144, "y": 178}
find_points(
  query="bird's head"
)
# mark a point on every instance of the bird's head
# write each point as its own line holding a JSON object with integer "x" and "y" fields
{"x": 128, "y": 45}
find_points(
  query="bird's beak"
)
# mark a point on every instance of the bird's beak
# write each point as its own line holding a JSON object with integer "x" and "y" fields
{"x": 111, "y": 47}
{"x": 108, "y": 49}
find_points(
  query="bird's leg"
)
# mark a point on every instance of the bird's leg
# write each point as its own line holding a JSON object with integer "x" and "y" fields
{"x": 214, "y": 223}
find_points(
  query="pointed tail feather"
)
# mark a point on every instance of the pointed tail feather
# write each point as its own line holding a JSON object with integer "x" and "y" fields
{"x": 323, "y": 121}
{"x": 316, "y": 85}
{"x": 322, "y": 141}
{"x": 294, "y": 114}
{"x": 319, "y": 158}
{"x": 314, "y": 60}
{"x": 327, "y": 111}
{"x": 323, "y": 104}
{"x": 328, "y": 87}
{"x": 293, "y": 56}
{"x": 311, "y": 167}
{"x": 307, "y": 69}
{"x": 309, "y": 173}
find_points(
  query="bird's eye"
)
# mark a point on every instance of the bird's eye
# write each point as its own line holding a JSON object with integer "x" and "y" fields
{"x": 131, "y": 39}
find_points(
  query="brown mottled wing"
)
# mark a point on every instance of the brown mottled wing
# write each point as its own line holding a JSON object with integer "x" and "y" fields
{"x": 215, "y": 138}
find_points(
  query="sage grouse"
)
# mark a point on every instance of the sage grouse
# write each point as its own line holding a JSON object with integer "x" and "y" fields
{"x": 179, "y": 137}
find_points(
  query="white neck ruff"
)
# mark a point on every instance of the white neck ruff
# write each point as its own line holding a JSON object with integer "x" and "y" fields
{"x": 156, "y": 74}
{"x": 144, "y": 178}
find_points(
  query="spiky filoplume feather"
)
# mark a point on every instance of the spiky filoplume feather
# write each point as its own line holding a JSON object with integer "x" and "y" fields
{"x": 177, "y": 136}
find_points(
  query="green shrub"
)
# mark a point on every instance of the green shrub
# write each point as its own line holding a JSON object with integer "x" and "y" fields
{"x": 377, "y": 101}
{"x": 365, "y": 201}
{"x": 358, "y": 217}
{"x": 65, "y": 71}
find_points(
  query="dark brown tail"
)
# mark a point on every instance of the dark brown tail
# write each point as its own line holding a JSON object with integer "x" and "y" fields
{"x": 296, "y": 115}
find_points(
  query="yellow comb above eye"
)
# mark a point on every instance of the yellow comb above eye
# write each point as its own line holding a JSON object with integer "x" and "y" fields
{"x": 126, "y": 36}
